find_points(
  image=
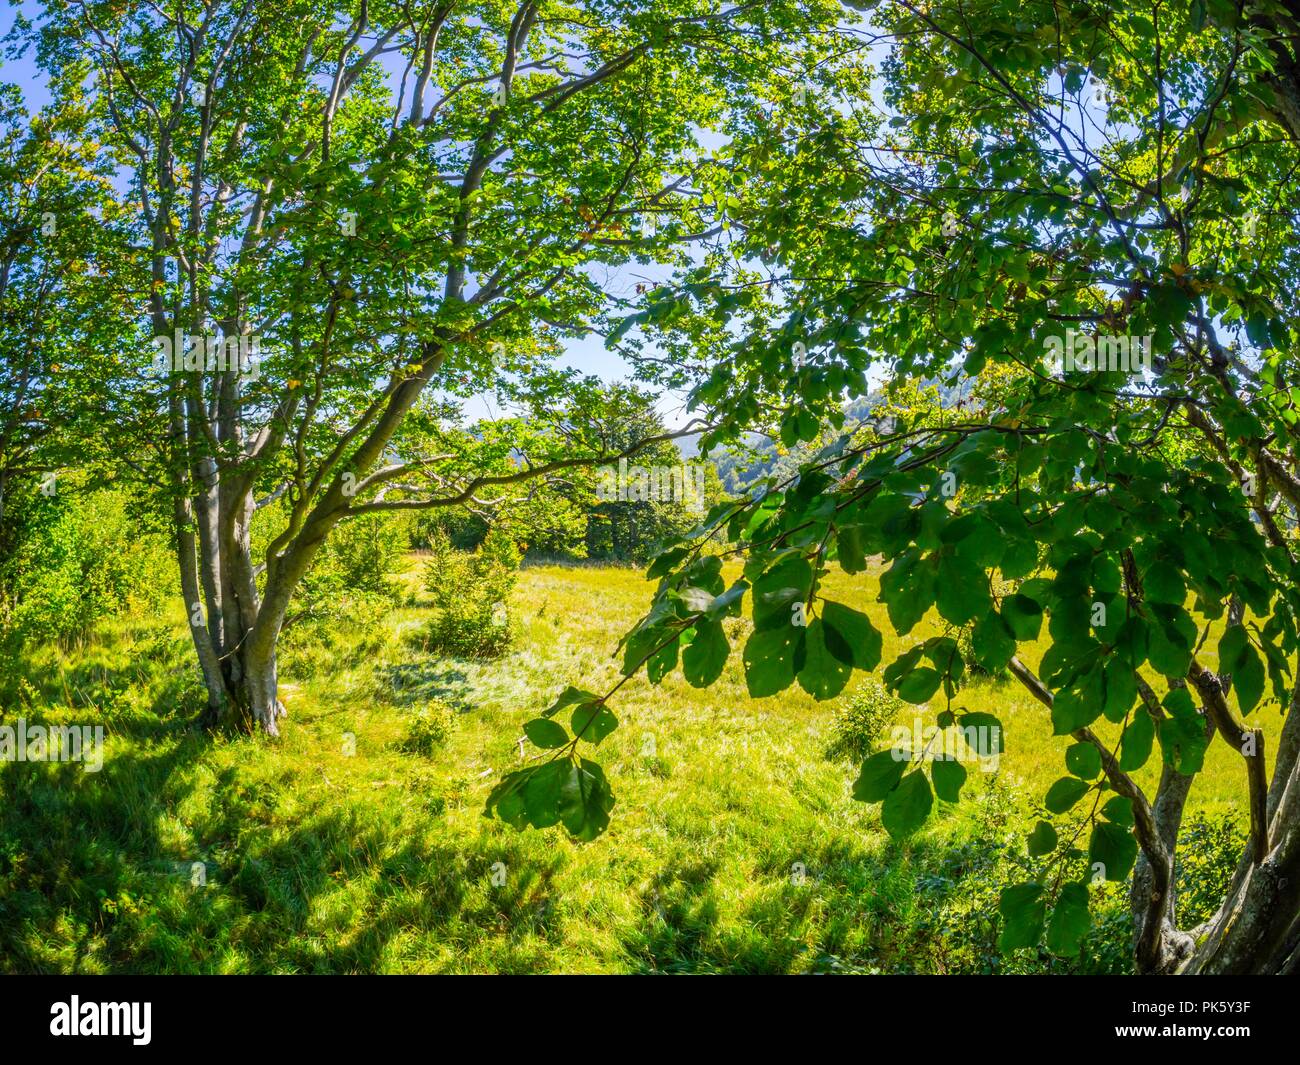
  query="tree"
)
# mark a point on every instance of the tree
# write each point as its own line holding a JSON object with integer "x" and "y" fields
{"x": 57, "y": 223}
{"x": 1025, "y": 180}
{"x": 344, "y": 211}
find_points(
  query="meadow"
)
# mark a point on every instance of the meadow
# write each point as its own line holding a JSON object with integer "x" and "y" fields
{"x": 357, "y": 843}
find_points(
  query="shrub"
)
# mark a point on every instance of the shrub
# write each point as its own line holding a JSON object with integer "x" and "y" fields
{"x": 472, "y": 597}
{"x": 361, "y": 557}
{"x": 955, "y": 925}
{"x": 81, "y": 559}
{"x": 859, "y": 722}
{"x": 1208, "y": 851}
{"x": 431, "y": 728}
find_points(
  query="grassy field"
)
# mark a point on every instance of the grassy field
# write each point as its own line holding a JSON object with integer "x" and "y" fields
{"x": 735, "y": 845}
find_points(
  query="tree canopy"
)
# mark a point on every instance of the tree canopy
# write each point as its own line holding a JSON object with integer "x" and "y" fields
{"x": 970, "y": 188}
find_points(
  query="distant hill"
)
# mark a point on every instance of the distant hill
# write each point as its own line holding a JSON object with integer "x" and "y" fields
{"x": 738, "y": 472}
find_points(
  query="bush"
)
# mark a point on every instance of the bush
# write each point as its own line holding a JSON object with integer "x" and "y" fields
{"x": 1209, "y": 849}
{"x": 361, "y": 557}
{"x": 431, "y": 728}
{"x": 81, "y": 559}
{"x": 859, "y": 723}
{"x": 955, "y": 924}
{"x": 472, "y": 597}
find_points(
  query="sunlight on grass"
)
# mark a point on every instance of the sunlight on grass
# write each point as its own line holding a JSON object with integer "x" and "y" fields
{"x": 734, "y": 846}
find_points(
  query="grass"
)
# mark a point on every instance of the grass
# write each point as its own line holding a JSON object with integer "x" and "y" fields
{"x": 735, "y": 845}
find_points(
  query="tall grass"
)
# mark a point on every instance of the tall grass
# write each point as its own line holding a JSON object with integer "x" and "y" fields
{"x": 356, "y": 843}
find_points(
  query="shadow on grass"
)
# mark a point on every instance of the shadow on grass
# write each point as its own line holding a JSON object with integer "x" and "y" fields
{"x": 415, "y": 682}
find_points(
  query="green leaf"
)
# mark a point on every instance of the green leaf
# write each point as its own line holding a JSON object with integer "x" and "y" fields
{"x": 1023, "y": 916}
{"x": 1064, "y": 794}
{"x": 949, "y": 775}
{"x": 1121, "y": 690}
{"x": 705, "y": 656}
{"x": 1171, "y": 637}
{"x": 992, "y": 642}
{"x": 961, "y": 591}
{"x": 1135, "y": 747}
{"x": 879, "y": 776}
{"x": 1023, "y": 616}
{"x": 696, "y": 600}
{"x": 593, "y": 722}
{"x": 1042, "y": 840}
{"x": 545, "y": 733}
{"x": 1162, "y": 583}
{"x": 1070, "y": 921}
{"x": 769, "y": 659}
{"x": 854, "y": 633}
{"x": 1231, "y": 646}
{"x": 786, "y": 583}
{"x": 907, "y": 588}
{"x": 571, "y": 696}
{"x": 585, "y": 800}
{"x": 907, "y": 806}
{"x": 988, "y": 735}
{"x": 506, "y": 800}
{"x": 1079, "y": 705}
{"x": 1182, "y": 733}
{"x": 1113, "y": 848}
{"x": 1118, "y": 809}
{"x": 722, "y": 605}
{"x": 1248, "y": 679}
{"x": 1019, "y": 559}
{"x": 1083, "y": 760}
{"x": 975, "y": 538}
{"x": 662, "y": 662}
{"x": 919, "y": 685}
{"x": 542, "y": 793}
{"x": 824, "y": 674}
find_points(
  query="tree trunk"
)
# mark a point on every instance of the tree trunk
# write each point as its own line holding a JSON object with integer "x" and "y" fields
{"x": 1257, "y": 929}
{"x": 236, "y": 643}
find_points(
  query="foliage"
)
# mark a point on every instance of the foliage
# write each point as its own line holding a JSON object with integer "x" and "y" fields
{"x": 859, "y": 723}
{"x": 431, "y": 727}
{"x": 1039, "y": 185}
{"x": 471, "y": 595}
{"x": 381, "y": 248}
{"x": 362, "y": 558}
{"x": 1206, "y": 864}
{"x": 82, "y": 558}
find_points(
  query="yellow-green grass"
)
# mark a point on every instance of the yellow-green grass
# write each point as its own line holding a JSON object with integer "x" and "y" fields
{"x": 734, "y": 844}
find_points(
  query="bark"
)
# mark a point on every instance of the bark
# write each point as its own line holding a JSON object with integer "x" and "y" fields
{"x": 1257, "y": 929}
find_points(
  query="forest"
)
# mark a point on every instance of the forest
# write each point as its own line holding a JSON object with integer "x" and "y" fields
{"x": 678, "y": 486}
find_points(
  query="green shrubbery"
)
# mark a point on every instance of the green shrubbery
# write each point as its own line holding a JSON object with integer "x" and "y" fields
{"x": 431, "y": 728}
{"x": 78, "y": 558}
{"x": 861, "y": 720}
{"x": 956, "y": 923}
{"x": 471, "y": 594}
{"x": 359, "y": 559}
{"x": 1208, "y": 851}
